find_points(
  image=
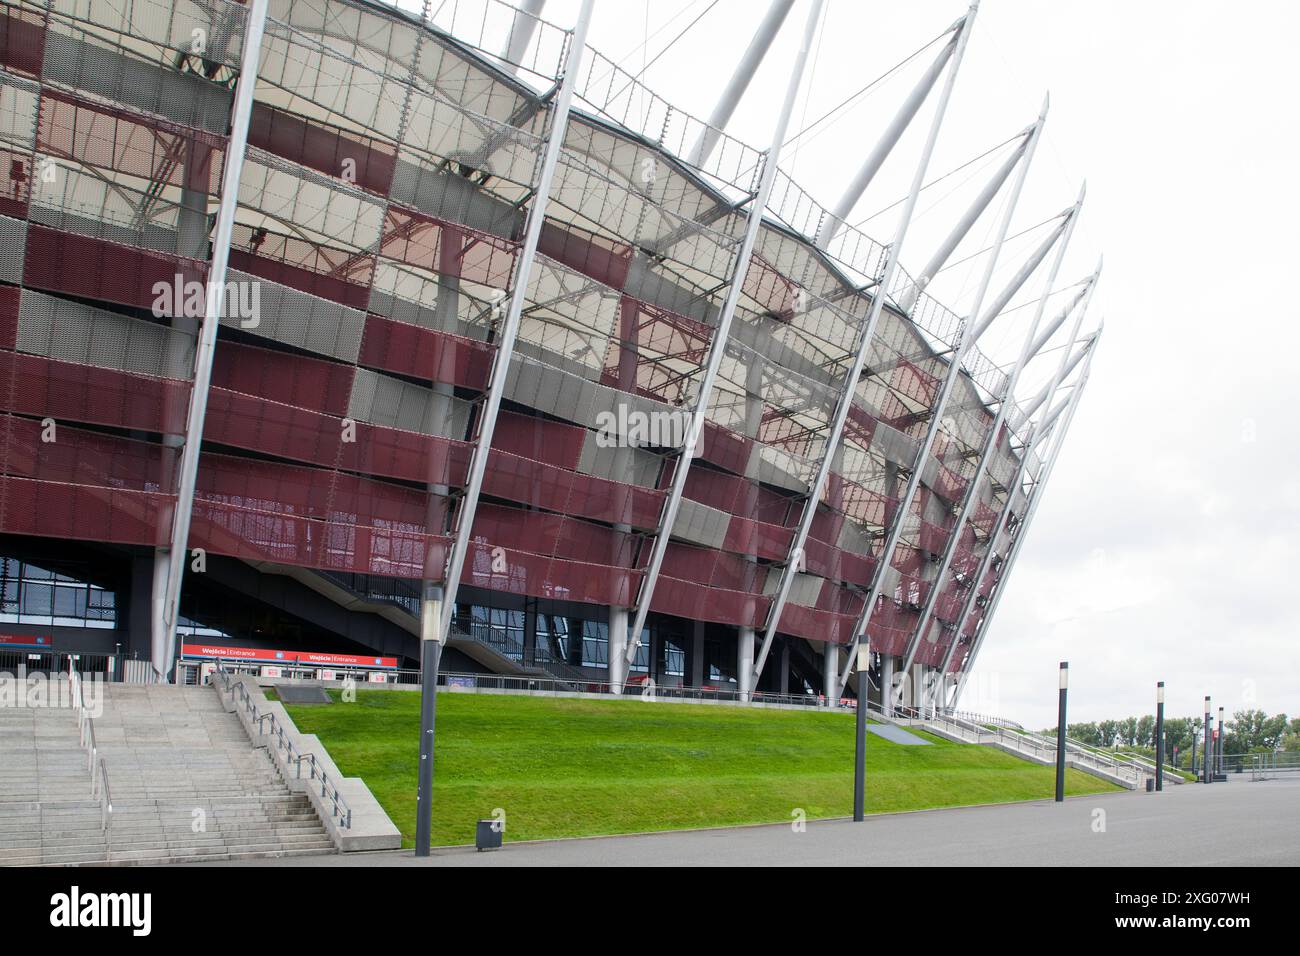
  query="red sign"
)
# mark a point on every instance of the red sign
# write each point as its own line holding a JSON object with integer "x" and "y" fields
{"x": 41, "y": 642}
{"x": 310, "y": 658}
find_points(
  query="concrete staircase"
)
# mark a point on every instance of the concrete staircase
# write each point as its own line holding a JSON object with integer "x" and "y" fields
{"x": 186, "y": 785}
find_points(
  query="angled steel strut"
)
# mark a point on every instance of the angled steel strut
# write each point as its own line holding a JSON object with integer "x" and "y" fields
{"x": 863, "y": 346}
{"x": 964, "y": 343}
{"x": 972, "y": 494}
{"x": 1038, "y": 435}
{"x": 510, "y": 325}
{"x": 164, "y": 643}
{"x": 1018, "y": 541}
{"x": 717, "y": 348}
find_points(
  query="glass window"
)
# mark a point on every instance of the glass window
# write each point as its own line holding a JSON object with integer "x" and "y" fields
{"x": 70, "y": 604}
{"x": 500, "y": 629}
{"x": 717, "y": 665}
{"x": 38, "y": 599}
{"x": 674, "y": 658}
{"x": 552, "y": 638}
{"x": 101, "y": 605}
{"x": 192, "y": 628}
{"x": 30, "y": 594}
{"x": 642, "y": 662}
{"x": 595, "y": 644}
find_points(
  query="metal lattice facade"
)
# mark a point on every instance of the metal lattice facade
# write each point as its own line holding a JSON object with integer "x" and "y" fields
{"x": 381, "y": 204}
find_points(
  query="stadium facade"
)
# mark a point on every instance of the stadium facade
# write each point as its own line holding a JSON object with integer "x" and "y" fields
{"x": 475, "y": 286}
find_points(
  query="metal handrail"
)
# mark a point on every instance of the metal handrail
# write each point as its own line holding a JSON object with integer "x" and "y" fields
{"x": 283, "y": 742}
{"x": 634, "y": 686}
{"x": 1026, "y": 741}
{"x": 99, "y": 787}
{"x": 105, "y": 798}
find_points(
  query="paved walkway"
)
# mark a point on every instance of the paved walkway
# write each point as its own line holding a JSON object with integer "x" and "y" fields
{"x": 1240, "y": 822}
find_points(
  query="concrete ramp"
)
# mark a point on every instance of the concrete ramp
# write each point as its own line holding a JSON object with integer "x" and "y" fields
{"x": 895, "y": 734}
{"x": 303, "y": 694}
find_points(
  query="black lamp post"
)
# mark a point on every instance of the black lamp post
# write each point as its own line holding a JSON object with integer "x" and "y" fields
{"x": 431, "y": 653}
{"x": 1208, "y": 727}
{"x": 860, "y": 755}
{"x": 1060, "y": 733}
{"x": 1160, "y": 735}
{"x": 1218, "y": 745}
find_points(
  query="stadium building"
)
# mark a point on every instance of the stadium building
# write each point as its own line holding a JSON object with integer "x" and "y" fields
{"x": 486, "y": 343}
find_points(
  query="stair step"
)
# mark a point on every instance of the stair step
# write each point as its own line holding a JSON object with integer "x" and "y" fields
{"x": 169, "y": 752}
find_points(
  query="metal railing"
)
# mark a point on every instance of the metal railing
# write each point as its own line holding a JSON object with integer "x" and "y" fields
{"x": 982, "y": 730}
{"x": 1266, "y": 766}
{"x": 284, "y": 744}
{"x": 636, "y": 686}
{"x": 99, "y": 788}
{"x": 985, "y": 719}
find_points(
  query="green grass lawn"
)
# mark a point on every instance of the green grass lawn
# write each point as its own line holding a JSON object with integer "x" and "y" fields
{"x": 563, "y": 767}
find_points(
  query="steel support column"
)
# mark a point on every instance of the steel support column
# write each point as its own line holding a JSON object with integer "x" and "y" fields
{"x": 845, "y": 402}
{"x": 521, "y": 32}
{"x": 1018, "y": 542}
{"x": 952, "y": 50}
{"x": 767, "y": 30}
{"x": 164, "y": 643}
{"x": 1073, "y": 360}
{"x": 717, "y": 348}
{"x": 959, "y": 231}
{"x": 990, "y": 448}
{"x": 438, "y": 616}
{"x": 1038, "y": 435}
{"x": 510, "y": 325}
{"x": 963, "y": 344}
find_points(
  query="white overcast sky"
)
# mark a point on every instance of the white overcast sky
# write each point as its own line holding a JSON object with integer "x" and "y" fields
{"x": 1166, "y": 547}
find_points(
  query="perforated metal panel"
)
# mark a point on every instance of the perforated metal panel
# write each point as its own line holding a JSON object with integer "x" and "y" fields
{"x": 168, "y": 23}
{"x": 13, "y": 239}
{"x": 305, "y": 321}
{"x": 453, "y": 198}
{"x": 701, "y": 524}
{"x": 382, "y": 400}
{"x": 73, "y": 332}
{"x": 632, "y": 466}
{"x": 73, "y": 60}
{"x": 18, "y": 99}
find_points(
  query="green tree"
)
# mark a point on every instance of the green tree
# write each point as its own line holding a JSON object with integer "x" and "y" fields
{"x": 1146, "y": 731}
{"x": 1254, "y": 731}
{"x": 1180, "y": 734}
{"x": 1084, "y": 733}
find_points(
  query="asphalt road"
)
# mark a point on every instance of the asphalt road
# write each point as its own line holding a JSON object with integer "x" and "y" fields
{"x": 1237, "y": 823}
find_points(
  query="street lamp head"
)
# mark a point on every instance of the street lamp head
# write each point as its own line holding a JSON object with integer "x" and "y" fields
{"x": 864, "y": 656}
{"x": 1160, "y": 692}
{"x": 1065, "y": 674}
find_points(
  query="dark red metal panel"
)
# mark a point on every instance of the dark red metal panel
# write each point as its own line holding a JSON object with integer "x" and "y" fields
{"x": 65, "y": 391}
{"x": 86, "y": 267}
{"x": 369, "y": 162}
{"x": 426, "y": 354}
{"x": 22, "y": 40}
{"x": 284, "y": 377}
